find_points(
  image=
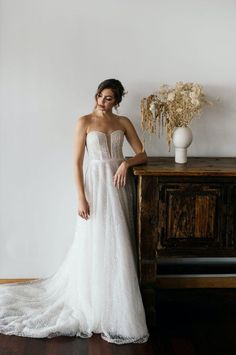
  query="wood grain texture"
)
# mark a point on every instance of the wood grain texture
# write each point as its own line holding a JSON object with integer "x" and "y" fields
{"x": 196, "y": 282}
{"x": 184, "y": 210}
{"x": 195, "y": 166}
{"x": 191, "y": 214}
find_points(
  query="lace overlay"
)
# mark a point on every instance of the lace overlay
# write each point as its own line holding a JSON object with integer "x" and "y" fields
{"x": 95, "y": 289}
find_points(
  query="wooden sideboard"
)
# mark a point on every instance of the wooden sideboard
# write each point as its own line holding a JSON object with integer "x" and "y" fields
{"x": 183, "y": 210}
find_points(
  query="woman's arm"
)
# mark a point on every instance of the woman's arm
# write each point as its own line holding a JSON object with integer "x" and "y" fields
{"x": 136, "y": 144}
{"x": 140, "y": 154}
{"x": 79, "y": 149}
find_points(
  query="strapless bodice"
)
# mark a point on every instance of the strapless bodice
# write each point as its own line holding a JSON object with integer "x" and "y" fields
{"x": 105, "y": 146}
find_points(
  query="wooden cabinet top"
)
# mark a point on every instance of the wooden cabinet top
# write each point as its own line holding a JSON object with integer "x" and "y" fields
{"x": 195, "y": 166}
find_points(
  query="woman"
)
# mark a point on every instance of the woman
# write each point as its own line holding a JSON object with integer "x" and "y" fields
{"x": 109, "y": 94}
{"x": 96, "y": 289}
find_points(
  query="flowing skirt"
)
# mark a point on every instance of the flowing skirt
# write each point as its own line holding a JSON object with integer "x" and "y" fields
{"x": 95, "y": 289}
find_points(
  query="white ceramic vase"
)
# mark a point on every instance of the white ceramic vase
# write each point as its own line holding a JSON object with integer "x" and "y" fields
{"x": 182, "y": 138}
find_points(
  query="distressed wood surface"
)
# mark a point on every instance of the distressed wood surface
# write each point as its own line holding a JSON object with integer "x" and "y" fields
{"x": 183, "y": 210}
{"x": 195, "y": 166}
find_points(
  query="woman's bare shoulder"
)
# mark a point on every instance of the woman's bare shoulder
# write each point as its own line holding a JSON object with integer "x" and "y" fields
{"x": 125, "y": 121}
{"x": 85, "y": 118}
{"x": 123, "y": 118}
{"x": 83, "y": 122}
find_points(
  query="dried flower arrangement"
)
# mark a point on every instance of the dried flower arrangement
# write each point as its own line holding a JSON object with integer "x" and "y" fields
{"x": 172, "y": 107}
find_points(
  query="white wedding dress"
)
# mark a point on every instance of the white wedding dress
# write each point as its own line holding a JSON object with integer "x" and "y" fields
{"x": 95, "y": 289}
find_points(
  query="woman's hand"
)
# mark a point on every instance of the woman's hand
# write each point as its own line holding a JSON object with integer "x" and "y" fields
{"x": 84, "y": 210}
{"x": 119, "y": 179}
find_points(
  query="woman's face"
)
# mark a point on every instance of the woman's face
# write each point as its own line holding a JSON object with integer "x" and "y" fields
{"x": 105, "y": 100}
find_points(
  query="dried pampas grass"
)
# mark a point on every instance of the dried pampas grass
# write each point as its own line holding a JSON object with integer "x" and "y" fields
{"x": 172, "y": 107}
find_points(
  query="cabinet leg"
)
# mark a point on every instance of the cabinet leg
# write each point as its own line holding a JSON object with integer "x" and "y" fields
{"x": 149, "y": 302}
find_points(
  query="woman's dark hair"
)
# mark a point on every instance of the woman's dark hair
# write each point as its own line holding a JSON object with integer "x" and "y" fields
{"x": 116, "y": 87}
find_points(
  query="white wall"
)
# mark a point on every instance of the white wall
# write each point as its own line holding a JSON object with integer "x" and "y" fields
{"x": 53, "y": 55}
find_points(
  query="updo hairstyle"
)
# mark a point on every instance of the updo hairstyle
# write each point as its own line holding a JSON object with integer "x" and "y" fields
{"x": 116, "y": 87}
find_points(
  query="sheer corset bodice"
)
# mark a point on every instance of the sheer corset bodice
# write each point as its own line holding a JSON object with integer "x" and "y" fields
{"x": 105, "y": 146}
